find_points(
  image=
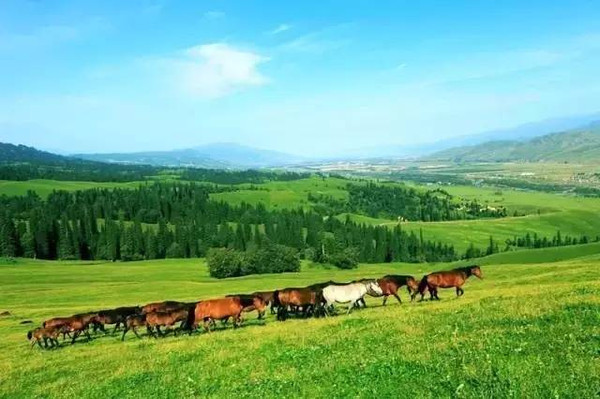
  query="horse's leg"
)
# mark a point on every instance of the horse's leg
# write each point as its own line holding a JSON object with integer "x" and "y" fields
{"x": 350, "y": 307}
{"x": 385, "y": 297}
{"x": 150, "y": 331}
{"x": 159, "y": 333}
{"x": 87, "y": 334}
{"x": 39, "y": 342}
{"x": 134, "y": 329}
{"x": 207, "y": 324}
{"x": 75, "y": 335}
{"x": 398, "y": 298}
{"x": 124, "y": 332}
{"x": 115, "y": 329}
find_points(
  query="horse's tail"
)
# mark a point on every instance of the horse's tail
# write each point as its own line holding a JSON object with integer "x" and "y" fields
{"x": 276, "y": 302}
{"x": 423, "y": 285}
{"x": 29, "y": 335}
{"x": 191, "y": 317}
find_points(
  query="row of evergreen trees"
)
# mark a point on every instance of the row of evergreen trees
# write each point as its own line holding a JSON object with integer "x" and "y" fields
{"x": 377, "y": 200}
{"x": 535, "y": 241}
{"x": 179, "y": 220}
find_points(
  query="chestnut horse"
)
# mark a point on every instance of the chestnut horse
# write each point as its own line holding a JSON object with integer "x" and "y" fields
{"x": 116, "y": 316}
{"x": 252, "y": 302}
{"x": 165, "y": 319}
{"x": 308, "y": 298}
{"x": 216, "y": 309}
{"x": 165, "y": 306}
{"x": 448, "y": 279}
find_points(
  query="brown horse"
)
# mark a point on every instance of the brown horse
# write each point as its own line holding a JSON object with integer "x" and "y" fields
{"x": 116, "y": 316}
{"x": 47, "y": 334}
{"x": 252, "y": 302}
{"x": 267, "y": 296}
{"x": 164, "y": 319}
{"x": 309, "y": 298}
{"x": 78, "y": 324}
{"x": 166, "y": 306}
{"x": 216, "y": 309}
{"x": 132, "y": 322}
{"x": 391, "y": 283}
{"x": 448, "y": 279}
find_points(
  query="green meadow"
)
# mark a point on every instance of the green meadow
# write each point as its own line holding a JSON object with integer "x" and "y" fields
{"x": 528, "y": 329}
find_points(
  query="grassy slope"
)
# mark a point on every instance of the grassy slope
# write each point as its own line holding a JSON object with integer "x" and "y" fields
{"x": 45, "y": 187}
{"x": 292, "y": 194}
{"x": 525, "y": 330}
{"x": 571, "y": 215}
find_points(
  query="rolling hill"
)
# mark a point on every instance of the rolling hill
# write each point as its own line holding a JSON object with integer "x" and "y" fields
{"x": 218, "y": 155}
{"x": 21, "y": 153}
{"x": 581, "y": 145}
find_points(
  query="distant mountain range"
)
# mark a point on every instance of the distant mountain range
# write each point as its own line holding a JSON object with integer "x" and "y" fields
{"x": 577, "y": 145}
{"x": 219, "y": 155}
{"x": 517, "y": 133}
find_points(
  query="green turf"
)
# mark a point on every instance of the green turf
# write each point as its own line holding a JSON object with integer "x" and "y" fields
{"x": 526, "y": 330}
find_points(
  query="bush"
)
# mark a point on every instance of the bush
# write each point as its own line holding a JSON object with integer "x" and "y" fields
{"x": 223, "y": 262}
{"x": 345, "y": 259}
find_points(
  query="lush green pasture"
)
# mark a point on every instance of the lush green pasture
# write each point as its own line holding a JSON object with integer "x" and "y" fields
{"x": 526, "y": 330}
{"x": 44, "y": 187}
{"x": 286, "y": 194}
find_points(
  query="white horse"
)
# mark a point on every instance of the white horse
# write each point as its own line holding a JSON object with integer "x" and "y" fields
{"x": 350, "y": 293}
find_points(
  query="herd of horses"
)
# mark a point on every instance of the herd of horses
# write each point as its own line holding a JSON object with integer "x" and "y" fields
{"x": 314, "y": 300}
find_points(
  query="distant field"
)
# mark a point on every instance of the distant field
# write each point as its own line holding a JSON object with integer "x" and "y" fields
{"x": 290, "y": 195}
{"x": 45, "y": 187}
{"x": 526, "y": 330}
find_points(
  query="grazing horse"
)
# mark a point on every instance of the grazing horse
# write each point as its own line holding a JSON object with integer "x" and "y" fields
{"x": 216, "y": 309}
{"x": 448, "y": 279}
{"x": 132, "y": 322}
{"x": 349, "y": 293}
{"x": 164, "y": 319}
{"x": 116, "y": 316}
{"x": 47, "y": 334}
{"x": 307, "y": 298}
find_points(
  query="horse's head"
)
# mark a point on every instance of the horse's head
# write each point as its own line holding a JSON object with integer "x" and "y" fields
{"x": 373, "y": 288}
{"x": 476, "y": 271}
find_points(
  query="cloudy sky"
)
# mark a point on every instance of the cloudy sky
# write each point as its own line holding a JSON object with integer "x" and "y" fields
{"x": 313, "y": 78}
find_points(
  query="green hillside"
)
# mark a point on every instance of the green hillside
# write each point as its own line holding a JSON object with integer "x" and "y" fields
{"x": 570, "y": 146}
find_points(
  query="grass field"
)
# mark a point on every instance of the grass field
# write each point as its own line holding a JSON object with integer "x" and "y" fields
{"x": 526, "y": 330}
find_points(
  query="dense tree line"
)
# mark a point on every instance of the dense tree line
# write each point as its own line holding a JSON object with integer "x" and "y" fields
{"x": 535, "y": 241}
{"x": 179, "y": 220}
{"x": 393, "y": 202}
{"x": 80, "y": 170}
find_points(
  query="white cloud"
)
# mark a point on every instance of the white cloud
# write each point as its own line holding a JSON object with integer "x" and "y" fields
{"x": 281, "y": 28}
{"x": 214, "y": 14}
{"x": 217, "y": 69}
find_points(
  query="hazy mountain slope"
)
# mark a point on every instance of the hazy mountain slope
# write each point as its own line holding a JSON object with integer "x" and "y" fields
{"x": 220, "y": 155}
{"x": 517, "y": 133}
{"x": 21, "y": 153}
{"x": 574, "y": 146}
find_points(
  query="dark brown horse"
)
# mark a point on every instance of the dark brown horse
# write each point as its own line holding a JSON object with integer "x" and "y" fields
{"x": 166, "y": 306}
{"x": 391, "y": 283}
{"x": 448, "y": 279}
{"x": 45, "y": 334}
{"x": 116, "y": 316}
{"x": 132, "y": 323}
{"x": 216, "y": 309}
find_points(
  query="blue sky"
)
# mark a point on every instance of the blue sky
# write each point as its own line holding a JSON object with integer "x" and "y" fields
{"x": 312, "y": 78}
